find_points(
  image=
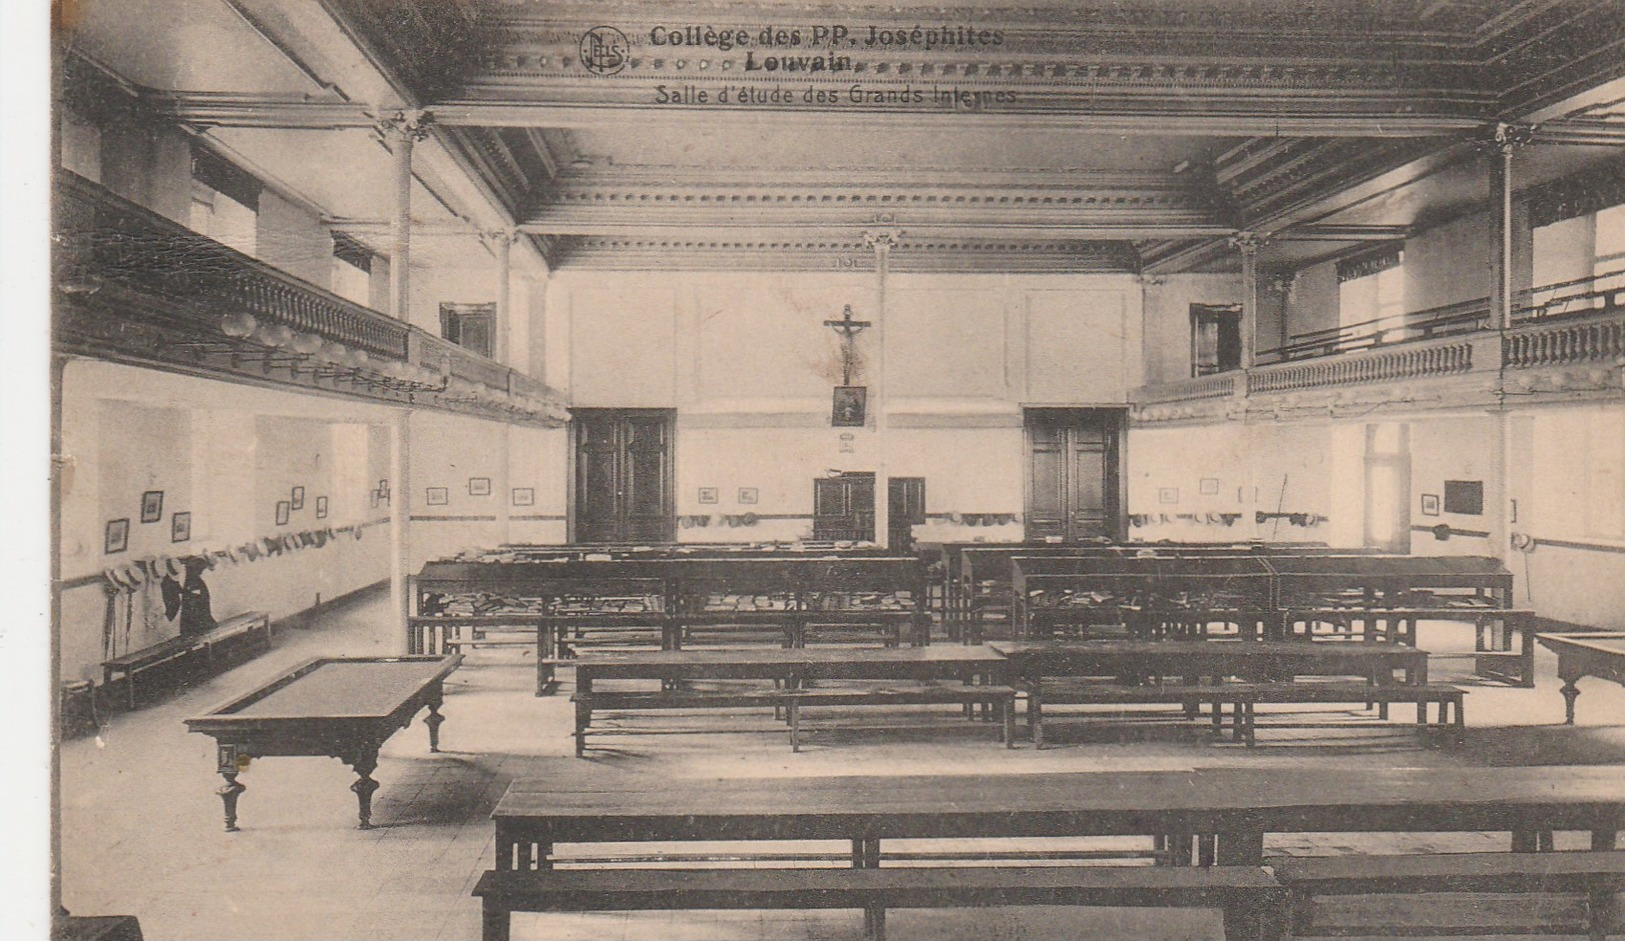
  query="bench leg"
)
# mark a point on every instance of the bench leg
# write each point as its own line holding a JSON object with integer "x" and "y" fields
{"x": 874, "y": 923}
{"x": 794, "y": 708}
{"x": 583, "y": 719}
{"x": 494, "y": 921}
{"x": 1035, "y": 716}
{"x": 1008, "y": 706}
{"x": 1600, "y": 908}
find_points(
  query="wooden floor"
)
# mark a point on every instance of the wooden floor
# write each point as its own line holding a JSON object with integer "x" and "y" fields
{"x": 142, "y": 829}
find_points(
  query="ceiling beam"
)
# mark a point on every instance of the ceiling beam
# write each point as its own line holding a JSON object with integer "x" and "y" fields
{"x": 802, "y": 231}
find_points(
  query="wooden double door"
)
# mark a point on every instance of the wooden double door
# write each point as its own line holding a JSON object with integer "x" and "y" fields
{"x": 623, "y": 475}
{"x": 1073, "y": 476}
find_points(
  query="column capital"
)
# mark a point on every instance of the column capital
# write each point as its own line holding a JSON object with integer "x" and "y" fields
{"x": 500, "y": 238}
{"x": 1503, "y": 137}
{"x": 1151, "y": 280}
{"x": 882, "y": 240}
{"x": 1248, "y": 243}
{"x": 410, "y": 125}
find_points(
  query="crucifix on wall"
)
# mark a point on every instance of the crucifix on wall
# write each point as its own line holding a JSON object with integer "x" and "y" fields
{"x": 849, "y": 408}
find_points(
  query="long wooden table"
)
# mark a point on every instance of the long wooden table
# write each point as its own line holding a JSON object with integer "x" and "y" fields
{"x": 787, "y": 668}
{"x": 339, "y": 707}
{"x": 1236, "y": 807}
{"x": 1600, "y": 654}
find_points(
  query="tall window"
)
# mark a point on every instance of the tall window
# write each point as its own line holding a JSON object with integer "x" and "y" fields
{"x": 469, "y": 325}
{"x": 1371, "y": 287}
{"x": 1579, "y": 244}
{"x": 1215, "y": 339}
{"x": 225, "y": 202}
{"x": 352, "y": 270}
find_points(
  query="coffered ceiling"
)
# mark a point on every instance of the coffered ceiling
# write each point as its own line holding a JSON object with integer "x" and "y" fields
{"x": 1096, "y": 135}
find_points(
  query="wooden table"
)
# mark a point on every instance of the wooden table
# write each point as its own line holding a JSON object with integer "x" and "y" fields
{"x": 1585, "y": 654}
{"x": 788, "y": 668}
{"x": 339, "y": 707}
{"x": 1234, "y": 807}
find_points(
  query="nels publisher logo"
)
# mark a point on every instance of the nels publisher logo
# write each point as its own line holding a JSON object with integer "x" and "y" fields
{"x": 604, "y": 50}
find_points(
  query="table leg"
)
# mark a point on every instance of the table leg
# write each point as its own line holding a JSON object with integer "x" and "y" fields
{"x": 364, "y": 763}
{"x": 1035, "y": 712}
{"x": 583, "y": 709}
{"x": 494, "y": 921}
{"x": 1603, "y": 841}
{"x": 229, "y": 792}
{"x": 433, "y": 720}
{"x": 1571, "y": 692}
{"x": 1241, "y": 848}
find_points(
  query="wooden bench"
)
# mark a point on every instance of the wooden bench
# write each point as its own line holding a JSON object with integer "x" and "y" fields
{"x": 1003, "y": 698}
{"x": 252, "y": 627}
{"x": 1597, "y": 875}
{"x": 789, "y": 702}
{"x": 453, "y": 633}
{"x": 1252, "y": 901}
{"x": 1242, "y": 697}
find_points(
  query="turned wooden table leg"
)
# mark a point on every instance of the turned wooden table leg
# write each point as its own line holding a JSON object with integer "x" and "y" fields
{"x": 1571, "y": 692}
{"x": 364, "y": 764}
{"x": 433, "y": 720}
{"x": 228, "y": 796}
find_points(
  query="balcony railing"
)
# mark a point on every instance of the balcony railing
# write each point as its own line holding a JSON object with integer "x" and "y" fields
{"x": 126, "y": 263}
{"x": 1412, "y": 361}
{"x": 1215, "y": 386}
{"x": 1596, "y": 337}
{"x": 108, "y": 238}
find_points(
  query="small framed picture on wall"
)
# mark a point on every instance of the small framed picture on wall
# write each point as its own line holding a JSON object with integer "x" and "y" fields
{"x": 1430, "y": 504}
{"x": 524, "y": 496}
{"x": 282, "y": 512}
{"x": 297, "y": 498}
{"x": 152, "y": 506}
{"x": 479, "y": 486}
{"x": 180, "y": 527}
{"x": 747, "y": 495}
{"x": 1167, "y": 494}
{"x": 708, "y": 494}
{"x": 437, "y": 496}
{"x": 321, "y": 508}
{"x": 1210, "y": 486}
{"x": 117, "y": 538}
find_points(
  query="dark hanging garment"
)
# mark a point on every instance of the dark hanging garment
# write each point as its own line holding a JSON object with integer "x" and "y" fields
{"x": 189, "y": 600}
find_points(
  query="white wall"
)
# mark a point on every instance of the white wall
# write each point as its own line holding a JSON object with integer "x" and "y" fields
{"x": 748, "y": 364}
{"x": 227, "y": 455}
{"x": 1168, "y": 301}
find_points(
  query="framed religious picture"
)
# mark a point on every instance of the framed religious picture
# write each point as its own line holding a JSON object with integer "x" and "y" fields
{"x": 479, "y": 486}
{"x": 297, "y": 498}
{"x": 180, "y": 527}
{"x": 282, "y": 511}
{"x": 321, "y": 508}
{"x": 850, "y": 407}
{"x": 117, "y": 538}
{"x": 437, "y": 496}
{"x": 524, "y": 496}
{"x": 152, "y": 506}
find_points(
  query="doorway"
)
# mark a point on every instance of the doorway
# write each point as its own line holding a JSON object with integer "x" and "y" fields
{"x": 844, "y": 507}
{"x": 1073, "y": 474}
{"x": 623, "y": 475}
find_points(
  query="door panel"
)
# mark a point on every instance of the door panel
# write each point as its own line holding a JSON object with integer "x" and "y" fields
{"x": 623, "y": 475}
{"x": 1072, "y": 483}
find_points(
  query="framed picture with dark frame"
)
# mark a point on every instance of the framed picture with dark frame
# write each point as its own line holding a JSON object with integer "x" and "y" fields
{"x": 747, "y": 495}
{"x": 282, "y": 512}
{"x": 479, "y": 486}
{"x": 1430, "y": 504}
{"x": 708, "y": 495}
{"x": 437, "y": 496}
{"x": 152, "y": 506}
{"x": 180, "y": 527}
{"x": 117, "y": 538}
{"x": 297, "y": 498}
{"x": 850, "y": 407}
{"x": 524, "y": 496}
{"x": 321, "y": 508}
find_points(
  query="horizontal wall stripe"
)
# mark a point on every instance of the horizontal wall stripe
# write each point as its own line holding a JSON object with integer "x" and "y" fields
{"x": 453, "y": 519}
